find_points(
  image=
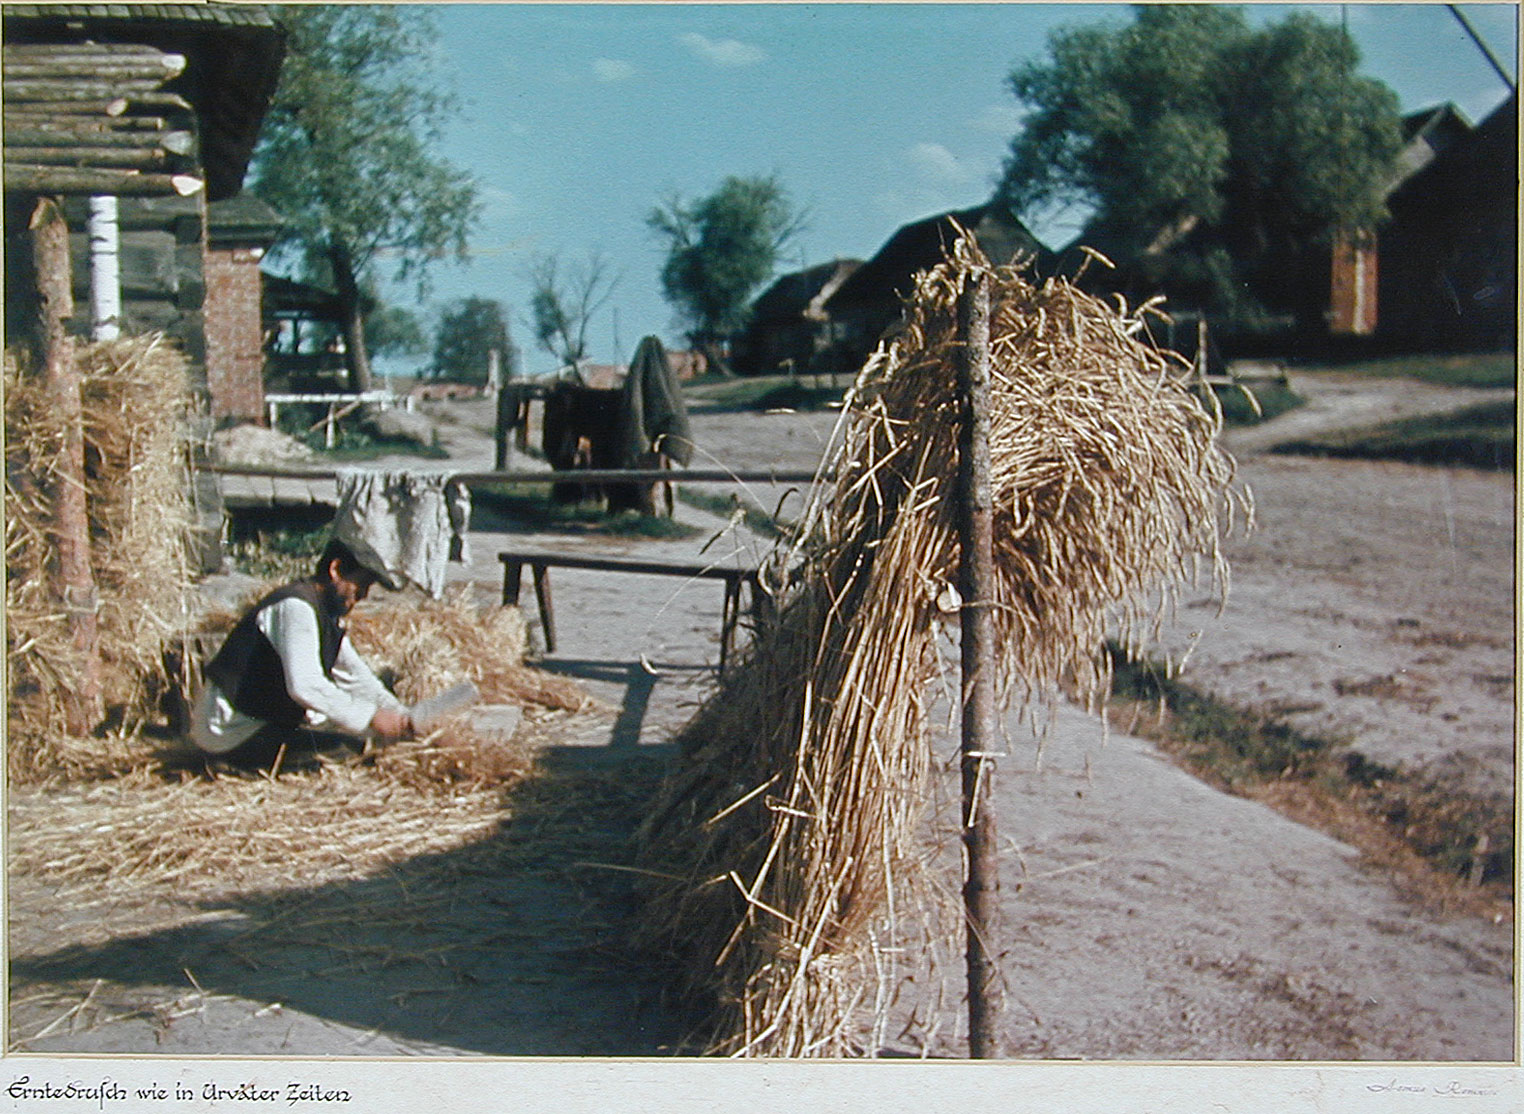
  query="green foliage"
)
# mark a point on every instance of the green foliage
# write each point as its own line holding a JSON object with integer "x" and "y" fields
{"x": 346, "y": 152}
{"x": 304, "y": 422}
{"x": 469, "y": 330}
{"x": 1211, "y": 151}
{"x": 394, "y": 331}
{"x": 720, "y": 249}
{"x": 279, "y": 554}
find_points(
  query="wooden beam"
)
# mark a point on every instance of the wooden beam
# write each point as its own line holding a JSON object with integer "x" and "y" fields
{"x": 24, "y": 178}
{"x": 68, "y": 90}
{"x": 576, "y": 475}
{"x": 73, "y": 582}
{"x": 25, "y": 116}
{"x": 158, "y": 68}
{"x": 114, "y": 51}
{"x": 18, "y": 138}
{"x": 99, "y": 158}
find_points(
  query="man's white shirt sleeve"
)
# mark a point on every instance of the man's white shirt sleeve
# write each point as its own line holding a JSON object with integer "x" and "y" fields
{"x": 346, "y": 703}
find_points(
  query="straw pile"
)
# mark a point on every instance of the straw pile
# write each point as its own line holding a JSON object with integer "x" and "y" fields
{"x": 135, "y": 396}
{"x": 429, "y": 645}
{"x": 129, "y": 813}
{"x": 787, "y": 835}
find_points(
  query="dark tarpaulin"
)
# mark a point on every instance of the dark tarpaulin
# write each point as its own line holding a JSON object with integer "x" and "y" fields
{"x": 654, "y": 417}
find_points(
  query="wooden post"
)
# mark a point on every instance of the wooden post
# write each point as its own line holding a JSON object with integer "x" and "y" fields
{"x": 73, "y": 581}
{"x": 981, "y": 888}
{"x": 507, "y": 419}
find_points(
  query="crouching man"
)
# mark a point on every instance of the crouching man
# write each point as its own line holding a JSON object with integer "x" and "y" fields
{"x": 287, "y": 679}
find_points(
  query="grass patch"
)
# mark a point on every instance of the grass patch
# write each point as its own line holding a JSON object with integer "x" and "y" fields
{"x": 796, "y": 396}
{"x": 766, "y": 392}
{"x": 350, "y": 443}
{"x": 756, "y": 519}
{"x": 529, "y": 507}
{"x": 1271, "y": 398}
{"x": 278, "y": 553}
{"x": 1480, "y": 436}
{"x": 1452, "y": 850}
{"x": 1488, "y": 369}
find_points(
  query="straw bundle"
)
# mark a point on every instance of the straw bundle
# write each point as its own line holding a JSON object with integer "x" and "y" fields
{"x": 428, "y": 646}
{"x": 788, "y": 832}
{"x": 135, "y": 395}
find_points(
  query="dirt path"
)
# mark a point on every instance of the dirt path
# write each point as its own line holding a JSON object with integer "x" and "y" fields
{"x": 1148, "y": 916}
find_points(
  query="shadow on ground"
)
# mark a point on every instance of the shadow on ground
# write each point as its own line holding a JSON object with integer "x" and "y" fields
{"x": 513, "y": 946}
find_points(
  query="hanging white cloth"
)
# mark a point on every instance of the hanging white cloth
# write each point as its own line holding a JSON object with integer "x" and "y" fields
{"x": 408, "y": 524}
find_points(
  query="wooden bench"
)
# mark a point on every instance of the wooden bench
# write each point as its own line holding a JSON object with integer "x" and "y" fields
{"x": 540, "y": 563}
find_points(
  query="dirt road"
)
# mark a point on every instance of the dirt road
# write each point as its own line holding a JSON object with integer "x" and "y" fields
{"x": 1147, "y": 916}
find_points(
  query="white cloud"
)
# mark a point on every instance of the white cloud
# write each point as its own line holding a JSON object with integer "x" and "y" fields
{"x": 498, "y": 202}
{"x": 613, "y": 69}
{"x": 723, "y": 52}
{"x": 937, "y": 163}
{"x": 999, "y": 119}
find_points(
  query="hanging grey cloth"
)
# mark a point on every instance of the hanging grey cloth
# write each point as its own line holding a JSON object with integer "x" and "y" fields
{"x": 404, "y": 525}
{"x": 654, "y": 418}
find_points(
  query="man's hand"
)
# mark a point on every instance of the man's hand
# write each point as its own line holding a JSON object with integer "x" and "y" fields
{"x": 389, "y": 723}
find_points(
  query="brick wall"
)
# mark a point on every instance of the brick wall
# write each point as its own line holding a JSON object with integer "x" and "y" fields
{"x": 234, "y": 340}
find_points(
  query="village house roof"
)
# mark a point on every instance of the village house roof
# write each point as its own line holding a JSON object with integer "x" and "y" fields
{"x": 1427, "y": 134}
{"x": 922, "y": 244}
{"x": 244, "y": 219}
{"x": 232, "y": 56}
{"x": 802, "y": 294}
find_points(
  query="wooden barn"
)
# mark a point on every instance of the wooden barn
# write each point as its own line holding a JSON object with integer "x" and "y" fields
{"x": 871, "y": 298}
{"x": 1447, "y": 277}
{"x": 141, "y": 119}
{"x": 125, "y": 126}
{"x": 788, "y": 328}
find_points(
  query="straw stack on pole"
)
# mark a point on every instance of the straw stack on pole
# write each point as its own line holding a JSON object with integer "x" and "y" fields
{"x": 132, "y": 397}
{"x": 785, "y": 851}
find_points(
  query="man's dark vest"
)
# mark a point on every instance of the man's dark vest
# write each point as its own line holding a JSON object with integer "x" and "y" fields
{"x": 249, "y": 671}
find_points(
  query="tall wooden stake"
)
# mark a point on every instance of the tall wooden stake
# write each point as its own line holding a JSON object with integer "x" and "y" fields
{"x": 73, "y": 580}
{"x": 981, "y": 887}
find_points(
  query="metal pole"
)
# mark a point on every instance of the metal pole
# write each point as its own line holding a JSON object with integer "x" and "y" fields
{"x": 981, "y": 888}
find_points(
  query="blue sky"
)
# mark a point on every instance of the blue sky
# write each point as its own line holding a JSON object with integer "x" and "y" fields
{"x": 577, "y": 119}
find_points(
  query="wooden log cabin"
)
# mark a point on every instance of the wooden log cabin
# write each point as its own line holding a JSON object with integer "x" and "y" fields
{"x": 155, "y": 107}
{"x": 122, "y": 124}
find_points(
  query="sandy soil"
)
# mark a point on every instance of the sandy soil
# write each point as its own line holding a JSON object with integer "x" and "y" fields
{"x": 1146, "y": 915}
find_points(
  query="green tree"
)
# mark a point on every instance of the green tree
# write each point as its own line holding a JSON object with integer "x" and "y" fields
{"x": 346, "y": 154}
{"x": 563, "y": 303}
{"x": 1214, "y": 156}
{"x": 469, "y": 330}
{"x": 394, "y": 331}
{"x": 720, "y": 249}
